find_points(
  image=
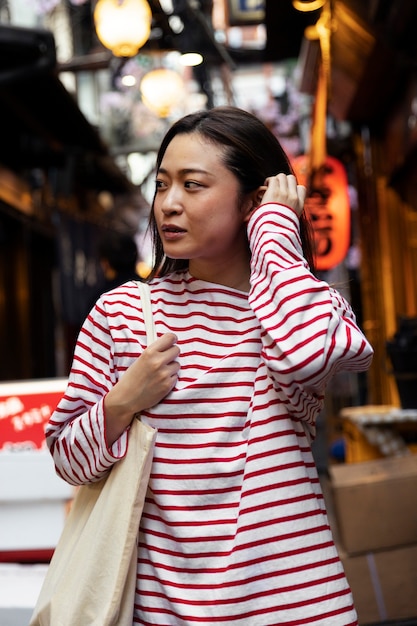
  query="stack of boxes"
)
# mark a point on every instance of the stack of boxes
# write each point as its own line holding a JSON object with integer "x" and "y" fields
{"x": 375, "y": 507}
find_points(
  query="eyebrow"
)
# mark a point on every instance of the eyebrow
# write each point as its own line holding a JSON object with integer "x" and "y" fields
{"x": 186, "y": 171}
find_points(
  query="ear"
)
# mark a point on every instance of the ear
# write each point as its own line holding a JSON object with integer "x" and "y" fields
{"x": 253, "y": 200}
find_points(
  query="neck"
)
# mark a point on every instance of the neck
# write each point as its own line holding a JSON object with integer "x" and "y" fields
{"x": 235, "y": 276}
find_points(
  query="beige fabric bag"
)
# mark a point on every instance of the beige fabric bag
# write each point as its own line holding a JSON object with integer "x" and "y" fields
{"x": 91, "y": 579}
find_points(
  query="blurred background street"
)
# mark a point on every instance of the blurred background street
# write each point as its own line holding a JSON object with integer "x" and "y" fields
{"x": 80, "y": 128}
{"x": 19, "y": 589}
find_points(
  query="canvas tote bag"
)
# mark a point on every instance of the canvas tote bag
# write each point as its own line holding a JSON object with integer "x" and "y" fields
{"x": 91, "y": 579}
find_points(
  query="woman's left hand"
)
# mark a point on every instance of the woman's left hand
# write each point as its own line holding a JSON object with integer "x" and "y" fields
{"x": 283, "y": 189}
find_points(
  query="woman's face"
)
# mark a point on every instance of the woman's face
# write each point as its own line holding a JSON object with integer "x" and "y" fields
{"x": 197, "y": 207}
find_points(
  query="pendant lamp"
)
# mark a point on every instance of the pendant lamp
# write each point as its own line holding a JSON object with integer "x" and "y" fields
{"x": 123, "y": 26}
{"x": 162, "y": 89}
{"x": 308, "y": 5}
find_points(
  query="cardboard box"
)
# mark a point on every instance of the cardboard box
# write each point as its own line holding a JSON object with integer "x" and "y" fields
{"x": 378, "y": 431}
{"x": 384, "y": 584}
{"x": 375, "y": 503}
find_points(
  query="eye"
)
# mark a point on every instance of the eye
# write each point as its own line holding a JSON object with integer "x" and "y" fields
{"x": 192, "y": 184}
{"x": 159, "y": 184}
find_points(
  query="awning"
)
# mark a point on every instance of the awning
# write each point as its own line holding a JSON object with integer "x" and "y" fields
{"x": 41, "y": 123}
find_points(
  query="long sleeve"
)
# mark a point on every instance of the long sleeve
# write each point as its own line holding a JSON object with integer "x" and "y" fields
{"x": 75, "y": 433}
{"x": 309, "y": 331}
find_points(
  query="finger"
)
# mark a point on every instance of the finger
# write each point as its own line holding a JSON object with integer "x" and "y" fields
{"x": 286, "y": 182}
{"x": 284, "y": 179}
{"x": 302, "y": 194}
{"x": 166, "y": 341}
{"x": 173, "y": 368}
{"x": 171, "y": 355}
{"x": 292, "y": 182}
{"x": 288, "y": 185}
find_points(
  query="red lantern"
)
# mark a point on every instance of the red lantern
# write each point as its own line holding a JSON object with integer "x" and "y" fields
{"x": 328, "y": 207}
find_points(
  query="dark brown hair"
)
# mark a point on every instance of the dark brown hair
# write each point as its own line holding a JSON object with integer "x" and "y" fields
{"x": 251, "y": 152}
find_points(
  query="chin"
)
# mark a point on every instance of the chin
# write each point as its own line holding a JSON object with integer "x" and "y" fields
{"x": 176, "y": 257}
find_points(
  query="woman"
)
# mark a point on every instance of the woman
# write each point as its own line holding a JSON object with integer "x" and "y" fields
{"x": 234, "y": 529}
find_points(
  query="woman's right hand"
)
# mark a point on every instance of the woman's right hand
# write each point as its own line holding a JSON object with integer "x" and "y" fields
{"x": 284, "y": 189}
{"x": 145, "y": 383}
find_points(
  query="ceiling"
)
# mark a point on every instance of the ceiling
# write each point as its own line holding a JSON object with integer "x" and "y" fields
{"x": 374, "y": 51}
{"x": 374, "y": 48}
{"x": 41, "y": 124}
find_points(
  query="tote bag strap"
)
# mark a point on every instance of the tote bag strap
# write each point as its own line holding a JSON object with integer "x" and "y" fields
{"x": 145, "y": 297}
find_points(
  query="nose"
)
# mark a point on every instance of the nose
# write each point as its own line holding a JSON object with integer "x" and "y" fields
{"x": 171, "y": 201}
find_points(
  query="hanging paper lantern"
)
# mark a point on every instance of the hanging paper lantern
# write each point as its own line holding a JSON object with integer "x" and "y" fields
{"x": 328, "y": 208}
{"x": 123, "y": 26}
{"x": 162, "y": 90}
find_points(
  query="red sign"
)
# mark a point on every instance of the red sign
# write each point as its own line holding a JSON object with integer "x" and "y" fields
{"x": 25, "y": 408}
{"x": 328, "y": 207}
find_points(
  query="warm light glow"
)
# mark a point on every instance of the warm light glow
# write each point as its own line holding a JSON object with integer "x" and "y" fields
{"x": 328, "y": 208}
{"x": 191, "y": 59}
{"x": 128, "y": 80}
{"x": 162, "y": 90}
{"x": 123, "y": 26}
{"x": 308, "y": 5}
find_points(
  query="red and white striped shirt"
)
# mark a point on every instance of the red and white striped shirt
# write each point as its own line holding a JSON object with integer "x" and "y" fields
{"x": 234, "y": 530}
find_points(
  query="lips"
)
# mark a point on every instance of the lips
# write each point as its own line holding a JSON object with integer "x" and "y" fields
{"x": 170, "y": 228}
{"x": 171, "y": 232}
